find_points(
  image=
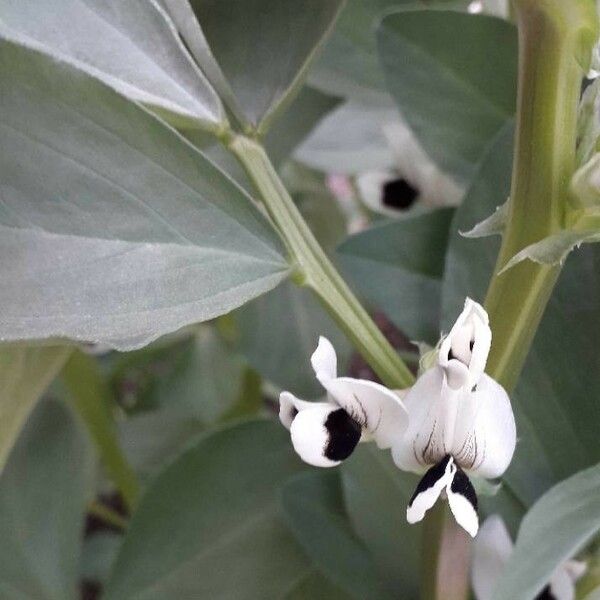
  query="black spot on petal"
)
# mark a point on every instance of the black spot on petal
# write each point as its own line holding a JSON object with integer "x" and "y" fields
{"x": 545, "y": 594}
{"x": 399, "y": 194}
{"x": 293, "y": 412}
{"x": 463, "y": 486}
{"x": 430, "y": 478}
{"x": 344, "y": 434}
{"x": 471, "y": 344}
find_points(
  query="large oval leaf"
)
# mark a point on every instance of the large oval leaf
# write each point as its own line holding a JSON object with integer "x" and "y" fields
{"x": 113, "y": 228}
{"x": 453, "y": 76}
{"x": 210, "y": 525}
{"x": 42, "y": 505}
{"x": 132, "y": 46}
{"x": 255, "y": 52}
{"x": 558, "y": 525}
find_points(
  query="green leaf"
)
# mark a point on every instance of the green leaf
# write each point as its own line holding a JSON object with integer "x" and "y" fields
{"x": 280, "y": 331}
{"x": 42, "y": 507}
{"x": 25, "y": 373}
{"x": 558, "y": 526}
{"x": 469, "y": 61}
{"x": 132, "y": 46}
{"x": 314, "y": 507}
{"x": 256, "y": 80}
{"x": 492, "y": 225}
{"x": 313, "y": 586}
{"x": 114, "y": 229}
{"x": 98, "y": 555}
{"x": 210, "y": 527}
{"x": 376, "y": 494}
{"x": 555, "y": 400}
{"x": 399, "y": 265}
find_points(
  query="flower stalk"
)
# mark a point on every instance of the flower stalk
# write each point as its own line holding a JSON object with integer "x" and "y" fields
{"x": 312, "y": 268}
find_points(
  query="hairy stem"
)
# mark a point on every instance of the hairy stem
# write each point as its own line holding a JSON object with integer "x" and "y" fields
{"x": 312, "y": 268}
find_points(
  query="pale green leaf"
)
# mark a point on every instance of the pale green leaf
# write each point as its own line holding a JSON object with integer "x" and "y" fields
{"x": 588, "y": 122}
{"x": 314, "y": 508}
{"x": 114, "y": 229}
{"x": 255, "y": 78}
{"x": 585, "y": 185}
{"x": 453, "y": 76}
{"x": 210, "y": 524}
{"x": 558, "y": 526}
{"x": 492, "y": 225}
{"x": 132, "y": 46}
{"x": 25, "y": 373}
{"x": 42, "y": 508}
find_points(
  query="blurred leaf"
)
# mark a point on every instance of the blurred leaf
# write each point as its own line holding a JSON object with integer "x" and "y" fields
{"x": 351, "y": 139}
{"x": 555, "y": 401}
{"x": 558, "y": 526}
{"x": 314, "y": 507}
{"x": 42, "y": 507}
{"x": 376, "y": 494}
{"x": 25, "y": 373}
{"x": 209, "y": 526}
{"x": 313, "y": 586}
{"x": 113, "y": 229}
{"x": 99, "y": 553}
{"x": 399, "y": 265}
{"x": 468, "y": 60}
{"x": 279, "y": 333}
{"x": 93, "y": 401}
{"x": 132, "y": 46}
{"x": 254, "y": 79}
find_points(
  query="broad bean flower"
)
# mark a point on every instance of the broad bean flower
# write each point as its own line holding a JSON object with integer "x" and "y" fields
{"x": 455, "y": 421}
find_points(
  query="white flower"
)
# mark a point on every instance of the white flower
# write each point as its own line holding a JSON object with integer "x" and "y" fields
{"x": 491, "y": 552}
{"x": 415, "y": 177}
{"x": 460, "y": 423}
{"x": 326, "y": 433}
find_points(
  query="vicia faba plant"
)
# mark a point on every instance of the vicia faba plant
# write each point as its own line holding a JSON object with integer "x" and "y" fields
{"x": 199, "y": 198}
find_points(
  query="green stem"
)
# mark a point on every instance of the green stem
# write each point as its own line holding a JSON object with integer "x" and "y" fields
{"x": 315, "y": 270}
{"x": 555, "y": 42}
{"x": 93, "y": 401}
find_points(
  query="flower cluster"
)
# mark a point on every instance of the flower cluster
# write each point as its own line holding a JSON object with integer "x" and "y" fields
{"x": 455, "y": 422}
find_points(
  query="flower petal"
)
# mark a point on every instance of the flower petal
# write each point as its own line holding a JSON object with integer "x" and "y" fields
{"x": 463, "y": 502}
{"x": 376, "y": 408}
{"x": 429, "y": 489}
{"x": 491, "y": 552}
{"x": 324, "y": 360}
{"x": 324, "y": 434}
{"x": 431, "y": 406}
{"x": 469, "y": 341}
{"x": 290, "y": 406}
{"x": 485, "y": 436}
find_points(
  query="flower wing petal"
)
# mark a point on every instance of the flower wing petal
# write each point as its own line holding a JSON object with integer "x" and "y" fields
{"x": 429, "y": 489}
{"x": 290, "y": 406}
{"x": 324, "y": 360}
{"x": 463, "y": 502}
{"x": 379, "y": 411}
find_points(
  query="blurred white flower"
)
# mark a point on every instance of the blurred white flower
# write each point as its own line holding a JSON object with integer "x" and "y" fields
{"x": 460, "y": 423}
{"x": 414, "y": 178}
{"x": 326, "y": 433}
{"x": 491, "y": 552}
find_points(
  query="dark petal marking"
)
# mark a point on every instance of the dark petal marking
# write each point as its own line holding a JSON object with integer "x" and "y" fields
{"x": 398, "y": 193}
{"x": 471, "y": 344}
{"x": 293, "y": 412}
{"x": 451, "y": 354}
{"x": 344, "y": 434}
{"x": 546, "y": 594}
{"x": 430, "y": 478}
{"x": 463, "y": 486}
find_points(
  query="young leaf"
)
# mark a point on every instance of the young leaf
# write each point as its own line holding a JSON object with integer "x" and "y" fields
{"x": 314, "y": 508}
{"x": 42, "y": 506}
{"x": 255, "y": 79}
{"x": 132, "y": 46}
{"x": 469, "y": 61}
{"x": 114, "y": 229}
{"x": 399, "y": 265}
{"x": 210, "y": 527}
{"x": 558, "y": 526}
{"x": 492, "y": 225}
{"x": 25, "y": 373}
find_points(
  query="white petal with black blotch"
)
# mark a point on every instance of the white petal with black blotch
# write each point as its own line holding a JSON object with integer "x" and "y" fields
{"x": 326, "y": 433}
{"x": 446, "y": 477}
{"x": 491, "y": 551}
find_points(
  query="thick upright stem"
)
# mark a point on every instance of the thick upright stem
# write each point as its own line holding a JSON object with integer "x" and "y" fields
{"x": 315, "y": 270}
{"x": 555, "y": 41}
